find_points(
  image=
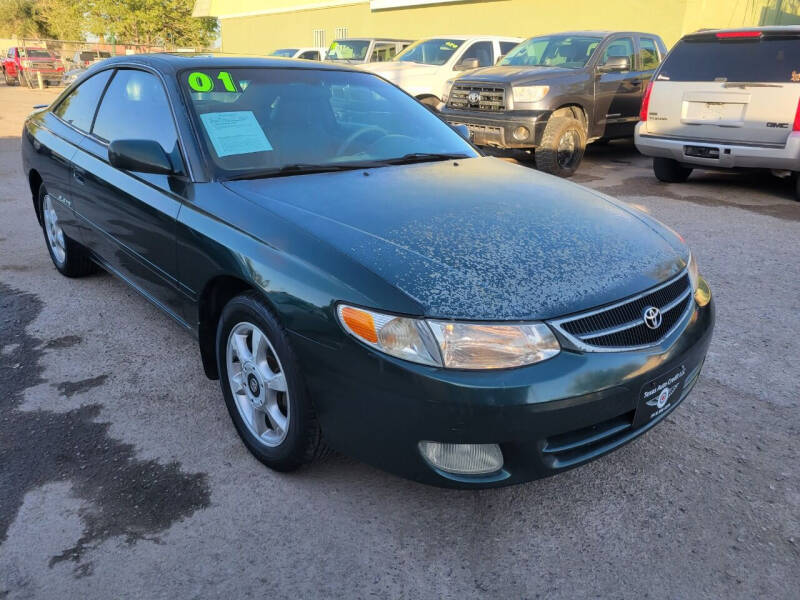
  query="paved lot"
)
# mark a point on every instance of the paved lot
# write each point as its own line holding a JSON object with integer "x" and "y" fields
{"x": 121, "y": 475}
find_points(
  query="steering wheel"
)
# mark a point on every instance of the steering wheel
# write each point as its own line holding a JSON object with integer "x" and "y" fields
{"x": 345, "y": 145}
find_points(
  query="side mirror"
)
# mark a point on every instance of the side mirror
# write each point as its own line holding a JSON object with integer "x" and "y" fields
{"x": 614, "y": 64}
{"x": 144, "y": 156}
{"x": 463, "y": 131}
{"x": 468, "y": 64}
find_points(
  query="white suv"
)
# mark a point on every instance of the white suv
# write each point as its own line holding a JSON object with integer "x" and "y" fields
{"x": 424, "y": 68}
{"x": 725, "y": 99}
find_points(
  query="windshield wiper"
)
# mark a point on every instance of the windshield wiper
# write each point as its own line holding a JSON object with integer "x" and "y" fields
{"x": 300, "y": 169}
{"x": 418, "y": 157}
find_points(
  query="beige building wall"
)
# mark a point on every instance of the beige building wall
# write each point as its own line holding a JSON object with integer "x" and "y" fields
{"x": 260, "y": 26}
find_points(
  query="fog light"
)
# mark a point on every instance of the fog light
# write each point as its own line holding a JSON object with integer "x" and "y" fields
{"x": 463, "y": 459}
{"x": 521, "y": 133}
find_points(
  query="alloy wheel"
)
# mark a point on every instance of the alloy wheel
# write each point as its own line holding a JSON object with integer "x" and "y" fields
{"x": 258, "y": 384}
{"x": 55, "y": 236}
{"x": 567, "y": 152}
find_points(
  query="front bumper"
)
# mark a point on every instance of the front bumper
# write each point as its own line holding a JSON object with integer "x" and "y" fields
{"x": 547, "y": 417}
{"x": 497, "y": 129}
{"x": 730, "y": 155}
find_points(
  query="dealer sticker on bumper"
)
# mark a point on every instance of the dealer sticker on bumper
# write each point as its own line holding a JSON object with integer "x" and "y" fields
{"x": 660, "y": 395}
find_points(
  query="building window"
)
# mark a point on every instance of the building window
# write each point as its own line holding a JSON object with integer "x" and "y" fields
{"x": 319, "y": 38}
{"x": 341, "y": 33}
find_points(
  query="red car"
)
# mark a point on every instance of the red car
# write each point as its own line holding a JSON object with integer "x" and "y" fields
{"x": 21, "y": 65}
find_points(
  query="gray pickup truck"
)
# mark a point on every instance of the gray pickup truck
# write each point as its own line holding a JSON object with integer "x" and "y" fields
{"x": 553, "y": 94}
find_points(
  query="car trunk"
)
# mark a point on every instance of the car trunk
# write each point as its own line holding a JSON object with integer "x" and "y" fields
{"x": 735, "y": 90}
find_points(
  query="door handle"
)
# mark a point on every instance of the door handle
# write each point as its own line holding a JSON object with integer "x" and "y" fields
{"x": 78, "y": 177}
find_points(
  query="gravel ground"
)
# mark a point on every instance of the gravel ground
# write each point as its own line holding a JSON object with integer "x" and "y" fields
{"x": 121, "y": 475}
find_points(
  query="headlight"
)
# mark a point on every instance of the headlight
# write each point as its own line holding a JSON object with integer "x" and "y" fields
{"x": 448, "y": 85}
{"x": 451, "y": 344}
{"x": 530, "y": 93}
{"x": 409, "y": 339}
{"x": 702, "y": 293}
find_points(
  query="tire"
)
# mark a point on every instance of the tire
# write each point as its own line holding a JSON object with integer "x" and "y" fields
{"x": 561, "y": 149}
{"x": 796, "y": 183}
{"x": 9, "y": 80}
{"x": 670, "y": 171}
{"x": 282, "y": 440}
{"x": 69, "y": 257}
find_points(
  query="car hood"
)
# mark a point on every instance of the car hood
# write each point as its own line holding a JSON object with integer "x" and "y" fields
{"x": 517, "y": 75}
{"x": 483, "y": 240}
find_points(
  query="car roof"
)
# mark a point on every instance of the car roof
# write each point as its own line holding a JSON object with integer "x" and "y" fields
{"x": 766, "y": 30}
{"x": 172, "y": 63}
{"x": 369, "y": 39}
{"x": 469, "y": 37}
{"x": 598, "y": 33}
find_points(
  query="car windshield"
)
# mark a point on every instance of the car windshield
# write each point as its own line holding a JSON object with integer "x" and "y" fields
{"x": 34, "y": 53}
{"x": 285, "y": 52}
{"x": 430, "y": 52}
{"x": 348, "y": 50}
{"x": 256, "y": 122}
{"x": 766, "y": 61}
{"x": 567, "y": 51}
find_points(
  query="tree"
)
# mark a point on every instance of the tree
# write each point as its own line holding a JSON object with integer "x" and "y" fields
{"x": 21, "y": 18}
{"x": 151, "y": 22}
{"x": 65, "y": 19}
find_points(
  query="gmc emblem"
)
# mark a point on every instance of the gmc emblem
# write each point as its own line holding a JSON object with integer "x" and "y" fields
{"x": 778, "y": 125}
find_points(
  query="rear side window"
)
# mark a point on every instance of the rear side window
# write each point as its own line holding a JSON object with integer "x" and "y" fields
{"x": 767, "y": 60}
{"x": 648, "y": 53}
{"x": 135, "y": 107}
{"x": 506, "y": 47}
{"x": 78, "y": 108}
{"x": 482, "y": 51}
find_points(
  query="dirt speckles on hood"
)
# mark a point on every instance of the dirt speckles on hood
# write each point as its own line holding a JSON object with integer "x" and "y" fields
{"x": 481, "y": 240}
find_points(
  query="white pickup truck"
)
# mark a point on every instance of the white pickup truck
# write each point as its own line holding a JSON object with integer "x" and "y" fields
{"x": 424, "y": 68}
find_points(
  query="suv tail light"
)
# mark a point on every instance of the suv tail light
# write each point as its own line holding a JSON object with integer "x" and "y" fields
{"x": 646, "y": 102}
{"x": 796, "y": 126}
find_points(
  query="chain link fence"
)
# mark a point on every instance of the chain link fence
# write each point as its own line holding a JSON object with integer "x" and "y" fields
{"x": 45, "y": 62}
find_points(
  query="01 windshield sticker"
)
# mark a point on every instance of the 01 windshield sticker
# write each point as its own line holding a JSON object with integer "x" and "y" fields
{"x": 203, "y": 82}
{"x": 236, "y": 132}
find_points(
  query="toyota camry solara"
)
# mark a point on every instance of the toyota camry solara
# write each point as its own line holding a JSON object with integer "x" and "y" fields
{"x": 359, "y": 277}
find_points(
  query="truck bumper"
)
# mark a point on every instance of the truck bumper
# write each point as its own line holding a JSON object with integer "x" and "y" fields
{"x": 721, "y": 155}
{"x": 497, "y": 130}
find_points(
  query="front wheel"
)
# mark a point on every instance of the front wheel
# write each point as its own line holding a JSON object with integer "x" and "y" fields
{"x": 670, "y": 171}
{"x": 8, "y": 80}
{"x": 561, "y": 149}
{"x": 70, "y": 258}
{"x": 263, "y": 387}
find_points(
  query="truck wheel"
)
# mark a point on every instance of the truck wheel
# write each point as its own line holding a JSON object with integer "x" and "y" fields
{"x": 670, "y": 171}
{"x": 9, "y": 80}
{"x": 561, "y": 149}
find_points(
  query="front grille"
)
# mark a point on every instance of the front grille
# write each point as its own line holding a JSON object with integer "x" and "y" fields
{"x": 622, "y": 325}
{"x": 491, "y": 98}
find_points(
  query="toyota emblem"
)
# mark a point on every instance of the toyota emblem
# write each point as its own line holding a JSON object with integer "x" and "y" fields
{"x": 474, "y": 97}
{"x": 652, "y": 317}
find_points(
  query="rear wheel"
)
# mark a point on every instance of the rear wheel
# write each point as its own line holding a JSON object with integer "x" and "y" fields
{"x": 70, "y": 258}
{"x": 263, "y": 387}
{"x": 670, "y": 171}
{"x": 561, "y": 149}
{"x": 9, "y": 80}
{"x": 796, "y": 182}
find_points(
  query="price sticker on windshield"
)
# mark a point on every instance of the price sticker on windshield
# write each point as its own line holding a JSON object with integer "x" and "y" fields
{"x": 203, "y": 82}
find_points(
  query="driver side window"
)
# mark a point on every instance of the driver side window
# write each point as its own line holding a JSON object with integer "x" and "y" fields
{"x": 482, "y": 51}
{"x": 620, "y": 47}
{"x": 135, "y": 107}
